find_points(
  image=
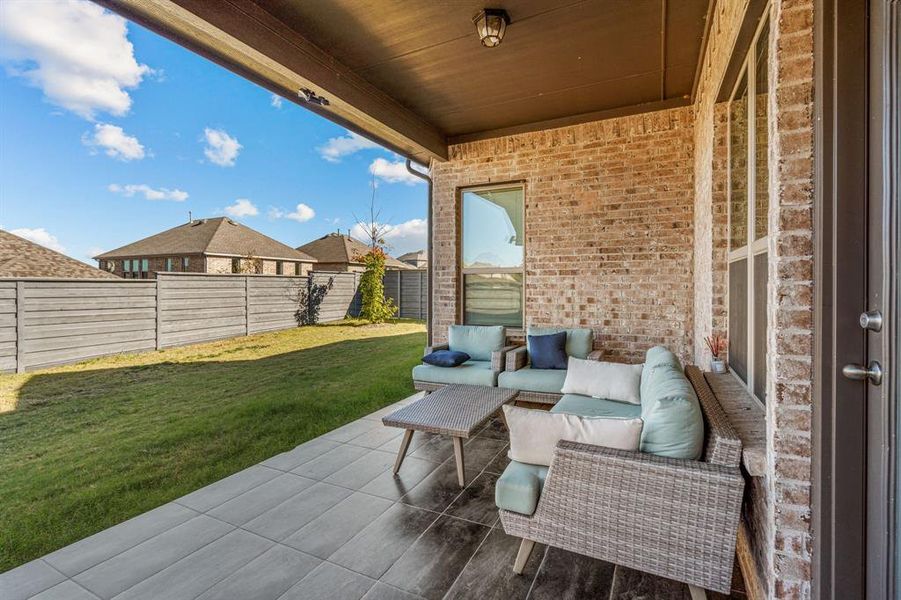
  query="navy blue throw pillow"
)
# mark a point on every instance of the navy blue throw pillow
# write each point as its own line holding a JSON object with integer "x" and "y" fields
{"x": 445, "y": 358}
{"x": 548, "y": 351}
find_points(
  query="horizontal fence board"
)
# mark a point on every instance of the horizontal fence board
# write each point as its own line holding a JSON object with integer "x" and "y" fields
{"x": 83, "y": 341}
{"x": 54, "y": 304}
{"x": 86, "y": 316}
{"x": 8, "y": 363}
{"x": 37, "y": 332}
{"x": 202, "y": 303}
{"x": 142, "y": 291}
{"x": 57, "y": 357}
{"x": 198, "y": 324}
{"x": 210, "y": 313}
{"x": 180, "y": 294}
{"x": 7, "y": 306}
{"x": 203, "y": 335}
{"x": 8, "y": 292}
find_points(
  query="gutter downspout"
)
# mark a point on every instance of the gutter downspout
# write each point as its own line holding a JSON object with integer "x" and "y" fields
{"x": 428, "y": 304}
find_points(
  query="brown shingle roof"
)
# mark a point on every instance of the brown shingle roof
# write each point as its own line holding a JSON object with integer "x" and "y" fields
{"x": 340, "y": 248}
{"x": 220, "y": 235}
{"x": 21, "y": 258}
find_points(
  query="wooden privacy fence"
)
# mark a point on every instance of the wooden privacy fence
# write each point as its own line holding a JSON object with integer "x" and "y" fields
{"x": 46, "y": 322}
{"x": 409, "y": 290}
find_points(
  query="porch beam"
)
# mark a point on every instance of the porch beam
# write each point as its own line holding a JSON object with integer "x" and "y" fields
{"x": 246, "y": 39}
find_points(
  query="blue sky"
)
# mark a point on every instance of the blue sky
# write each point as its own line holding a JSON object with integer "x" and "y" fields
{"x": 97, "y": 152}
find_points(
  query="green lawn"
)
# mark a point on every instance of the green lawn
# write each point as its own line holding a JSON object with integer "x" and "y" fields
{"x": 87, "y": 446}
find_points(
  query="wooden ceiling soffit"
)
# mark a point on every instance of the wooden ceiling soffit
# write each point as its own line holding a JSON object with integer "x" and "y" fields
{"x": 600, "y": 115}
{"x": 249, "y": 41}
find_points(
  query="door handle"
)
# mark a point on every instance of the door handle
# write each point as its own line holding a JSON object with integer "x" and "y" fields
{"x": 872, "y": 372}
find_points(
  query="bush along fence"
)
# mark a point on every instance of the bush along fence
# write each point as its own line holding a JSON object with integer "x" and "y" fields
{"x": 47, "y": 322}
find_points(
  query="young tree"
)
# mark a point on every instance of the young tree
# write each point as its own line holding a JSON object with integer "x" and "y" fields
{"x": 376, "y": 308}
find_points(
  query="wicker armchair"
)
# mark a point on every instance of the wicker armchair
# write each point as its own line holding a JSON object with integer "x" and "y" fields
{"x": 498, "y": 360}
{"x": 668, "y": 517}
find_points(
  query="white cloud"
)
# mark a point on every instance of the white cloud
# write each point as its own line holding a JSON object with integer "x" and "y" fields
{"x": 301, "y": 213}
{"x": 393, "y": 172}
{"x": 148, "y": 192}
{"x": 403, "y": 237}
{"x": 338, "y": 147}
{"x": 40, "y": 236}
{"x": 277, "y": 101}
{"x": 76, "y": 52}
{"x": 242, "y": 208}
{"x": 221, "y": 148}
{"x": 114, "y": 142}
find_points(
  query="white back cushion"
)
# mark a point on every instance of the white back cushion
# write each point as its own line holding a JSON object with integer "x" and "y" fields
{"x": 612, "y": 381}
{"x": 535, "y": 433}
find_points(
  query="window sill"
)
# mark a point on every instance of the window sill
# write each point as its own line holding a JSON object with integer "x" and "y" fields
{"x": 748, "y": 418}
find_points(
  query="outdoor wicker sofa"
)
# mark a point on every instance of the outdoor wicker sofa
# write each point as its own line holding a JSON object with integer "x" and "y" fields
{"x": 543, "y": 386}
{"x": 487, "y": 347}
{"x": 671, "y": 517}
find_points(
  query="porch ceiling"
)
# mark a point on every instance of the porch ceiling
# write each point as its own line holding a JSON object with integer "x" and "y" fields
{"x": 414, "y": 76}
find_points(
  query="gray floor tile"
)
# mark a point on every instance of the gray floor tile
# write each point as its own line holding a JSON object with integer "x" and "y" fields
{"x": 476, "y": 503}
{"x": 437, "y": 491}
{"x": 381, "y": 591}
{"x": 500, "y": 462}
{"x": 345, "y": 433}
{"x": 432, "y": 564}
{"x": 67, "y": 590}
{"x": 333, "y": 460}
{"x": 330, "y": 582}
{"x": 419, "y": 438}
{"x": 93, "y": 550}
{"x": 122, "y": 571}
{"x": 255, "y": 502}
{"x": 438, "y": 449}
{"x": 225, "y": 489}
{"x": 376, "y": 548}
{"x": 376, "y": 437}
{"x": 328, "y": 532}
{"x": 480, "y": 451}
{"x": 489, "y": 575}
{"x": 363, "y": 470}
{"x": 279, "y": 522}
{"x": 569, "y": 576}
{"x": 496, "y": 429}
{"x": 391, "y": 486}
{"x": 264, "y": 578}
{"x": 196, "y": 573}
{"x": 299, "y": 455}
{"x": 629, "y": 584}
{"x": 29, "y": 579}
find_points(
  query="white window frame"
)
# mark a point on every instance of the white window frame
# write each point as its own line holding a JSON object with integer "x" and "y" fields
{"x": 494, "y": 270}
{"x": 753, "y": 247}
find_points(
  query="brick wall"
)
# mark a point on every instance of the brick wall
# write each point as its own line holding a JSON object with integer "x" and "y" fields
{"x": 777, "y": 508}
{"x": 155, "y": 264}
{"x": 609, "y": 227}
{"x": 790, "y": 340}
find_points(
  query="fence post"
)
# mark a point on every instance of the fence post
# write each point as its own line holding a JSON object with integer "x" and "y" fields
{"x": 158, "y": 282}
{"x": 400, "y": 292}
{"x": 246, "y": 305}
{"x": 419, "y": 294}
{"x": 20, "y": 327}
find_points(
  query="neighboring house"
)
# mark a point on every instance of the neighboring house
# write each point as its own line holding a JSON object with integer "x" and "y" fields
{"x": 22, "y": 258}
{"x": 217, "y": 245}
{"x": 340, "y": 252}
{"x": 418, "y": 259}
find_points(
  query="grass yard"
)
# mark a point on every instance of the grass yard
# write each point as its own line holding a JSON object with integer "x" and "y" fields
{"x": 86, "y": 446}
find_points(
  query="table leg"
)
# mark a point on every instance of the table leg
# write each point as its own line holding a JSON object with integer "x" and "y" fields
{"x": 402, "y": 451}
{"x": 458, "y": 453}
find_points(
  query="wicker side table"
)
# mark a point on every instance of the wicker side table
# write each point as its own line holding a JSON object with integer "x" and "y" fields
{"x": 454, "y": 410}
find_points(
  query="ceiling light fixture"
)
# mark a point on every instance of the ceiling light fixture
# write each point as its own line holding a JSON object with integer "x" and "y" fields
{"x": 491, "y": 23}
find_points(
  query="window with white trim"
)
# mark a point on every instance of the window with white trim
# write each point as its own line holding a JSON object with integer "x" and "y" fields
{"x": 493, "y": 255}
{"x": 749, "y": 219}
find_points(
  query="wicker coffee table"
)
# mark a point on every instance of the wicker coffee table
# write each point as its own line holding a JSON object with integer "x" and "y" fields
{"x": 454, "y": 410}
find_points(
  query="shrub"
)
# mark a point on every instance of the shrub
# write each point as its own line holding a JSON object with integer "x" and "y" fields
{"x": 375, "y": 307}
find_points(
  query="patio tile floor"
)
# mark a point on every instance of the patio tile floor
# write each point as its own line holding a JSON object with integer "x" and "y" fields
{"x": 329, "y": 520}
